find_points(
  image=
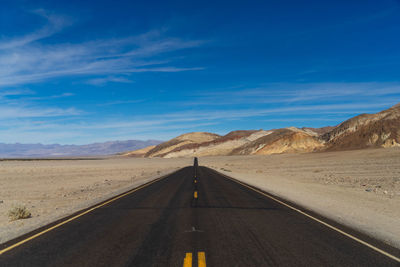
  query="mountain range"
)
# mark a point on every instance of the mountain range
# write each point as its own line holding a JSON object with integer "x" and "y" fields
{"x": 55, "y": 150}
{"x": 363, "y": 131}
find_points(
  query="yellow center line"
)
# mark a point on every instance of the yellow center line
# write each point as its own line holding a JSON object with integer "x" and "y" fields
{"x": 318, "y": 220}
{"x": 187, "y": 261}
{"x": 201, "y": 259}
{"x": 77, "y": 216}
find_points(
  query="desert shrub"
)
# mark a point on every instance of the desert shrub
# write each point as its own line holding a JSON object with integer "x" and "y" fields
{"x": 18, "y": 212}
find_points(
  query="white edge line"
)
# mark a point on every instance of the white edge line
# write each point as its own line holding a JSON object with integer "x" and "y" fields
{"x": 103, "y": 203}
{"x": 316, "y": 219}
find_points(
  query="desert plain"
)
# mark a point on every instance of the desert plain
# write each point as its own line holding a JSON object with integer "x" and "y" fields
{"x": 53, "y": 189}
{"x": 359, "y": 188}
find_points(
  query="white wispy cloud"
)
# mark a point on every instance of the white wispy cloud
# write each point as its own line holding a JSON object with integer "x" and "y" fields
{"x": 54, "y": 24}
{"x": 18, "y": 112}
{"x": 59, "y": 125}
{"x": 14, "y": 92}
{"x": 296, "y": 93}
{"x": 50, "y": 97}
{"x": 108, "y": 79}
{"x": 349, "y": 108}
{"x": 25, "y": 104}
{"x": 26, "y": 59}
{"x": 121, "y": 102}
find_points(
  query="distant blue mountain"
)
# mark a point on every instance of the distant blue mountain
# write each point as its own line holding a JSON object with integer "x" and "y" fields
{"x": 55, "y": 150}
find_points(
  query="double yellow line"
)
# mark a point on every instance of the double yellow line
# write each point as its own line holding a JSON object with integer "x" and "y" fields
{"x": 201, "y": 259}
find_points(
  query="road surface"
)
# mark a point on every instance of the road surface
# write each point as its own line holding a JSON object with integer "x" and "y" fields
{"x": 177, "y": 221}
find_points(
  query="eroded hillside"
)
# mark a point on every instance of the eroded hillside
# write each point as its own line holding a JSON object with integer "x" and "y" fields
{"x": 363, "y": 131}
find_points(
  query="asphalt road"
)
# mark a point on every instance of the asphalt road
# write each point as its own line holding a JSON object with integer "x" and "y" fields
{"x": 163, "y": 224}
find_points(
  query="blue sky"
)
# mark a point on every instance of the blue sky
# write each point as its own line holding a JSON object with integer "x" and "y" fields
{"x": 76, "y": 72}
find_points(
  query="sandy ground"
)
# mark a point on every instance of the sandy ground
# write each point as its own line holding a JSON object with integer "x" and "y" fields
{"x": 360, "y": 188}
{"x": 50, "y": 190}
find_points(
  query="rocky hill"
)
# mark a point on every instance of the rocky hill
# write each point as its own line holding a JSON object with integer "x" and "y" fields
{"x": 318, "y": 131}
{"x": 222, "y": 145}
{"x": 140, "y": 153}
{"x": 289, "y": 140}
{"x": 243, "y": 142}
{"x": 363, "y": 131}
{"x": 163, "y": 149}
{"x": 366, "y": 130}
